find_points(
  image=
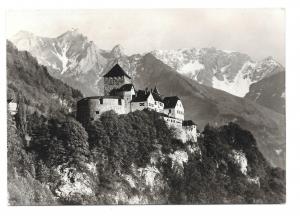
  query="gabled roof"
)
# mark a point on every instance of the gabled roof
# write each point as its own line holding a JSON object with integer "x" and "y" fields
{"x": 188, "y": 123}
{"x": 170, "y": 102}
{"x": 116, "y": 71}
{"x": 141, "y": 96}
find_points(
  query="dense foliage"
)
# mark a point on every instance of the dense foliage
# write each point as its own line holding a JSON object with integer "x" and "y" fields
{"x": 213, "y": 177}
{"x": 117, "y": 142}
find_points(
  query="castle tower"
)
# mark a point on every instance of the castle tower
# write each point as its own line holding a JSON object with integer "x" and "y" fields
{"x": 114, "y": 79}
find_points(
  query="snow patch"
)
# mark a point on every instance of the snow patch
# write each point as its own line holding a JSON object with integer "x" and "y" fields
{"x": 239, "y": 86}
{"x": 223, "y": 69}
{"x": 62, "y": 57}
{"x": 191, "y": 68}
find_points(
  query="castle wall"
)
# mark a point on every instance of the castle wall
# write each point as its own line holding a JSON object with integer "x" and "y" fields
{"x": 118, "y": 105}
{"x": 172, "y": 122}
{"x": 184, "y": 133}
{"x": 128, "y": 95}
{"x": 177, "y": 125}
{"x": 89, "y": 109}
{"x": 111, "y": 83}
{"x": 101, "y": 86}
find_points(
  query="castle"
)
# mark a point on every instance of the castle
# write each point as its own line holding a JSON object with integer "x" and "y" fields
{"x": 121, "y": 96}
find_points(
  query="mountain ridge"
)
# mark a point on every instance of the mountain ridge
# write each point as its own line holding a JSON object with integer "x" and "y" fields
{"x": 232, "y": 72}
{"x": 85, "y": 63}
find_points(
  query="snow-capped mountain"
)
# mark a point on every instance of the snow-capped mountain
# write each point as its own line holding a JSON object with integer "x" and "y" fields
{"x": 81, "y": 64}
{"x": 232, "y": 72}
{"x": 73, "y": 58}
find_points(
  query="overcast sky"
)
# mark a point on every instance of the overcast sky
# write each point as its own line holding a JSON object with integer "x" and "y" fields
{"x": 256, "y": 32}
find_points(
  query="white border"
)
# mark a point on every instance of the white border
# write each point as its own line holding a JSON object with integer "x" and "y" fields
{"x": 292, "y": 95}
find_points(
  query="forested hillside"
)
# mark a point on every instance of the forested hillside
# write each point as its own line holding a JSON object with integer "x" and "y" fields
{"x": 135, "y": 159}
{"x": 31, "y": 84}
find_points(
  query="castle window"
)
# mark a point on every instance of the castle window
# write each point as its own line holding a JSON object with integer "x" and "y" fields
{"x": 101, "y": 100}
{"x": 119, "y": 101}
{"x": 155, "y": 103}
{"x": 142, "y": 104}
{"x": 97, "y": 112}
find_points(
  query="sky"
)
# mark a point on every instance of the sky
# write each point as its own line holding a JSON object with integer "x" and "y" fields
{"x": 257, "y": 32}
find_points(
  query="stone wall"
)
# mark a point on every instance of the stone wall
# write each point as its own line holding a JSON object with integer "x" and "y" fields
{"x": 89, "y": 109}
{"x": 174, "y": 123}
{"x": 111, "y": 83}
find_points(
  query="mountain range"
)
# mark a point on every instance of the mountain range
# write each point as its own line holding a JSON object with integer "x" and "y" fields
{"x": 78, "y": 61}
{"x": 195, "y": 75}
{"x": 229, "y": 71}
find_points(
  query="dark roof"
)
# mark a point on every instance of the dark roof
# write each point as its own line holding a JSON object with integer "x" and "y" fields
{"x": 188, "y": 123}
{"x": 157, "y": 97}
{"x": 170, "y": 102}
{"x": 126, "y": 87}
{"x": 141, "y": 96}
{"x": 117, "y": 71}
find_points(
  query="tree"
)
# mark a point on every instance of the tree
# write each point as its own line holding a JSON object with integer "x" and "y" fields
{"x": 75, "y": 141}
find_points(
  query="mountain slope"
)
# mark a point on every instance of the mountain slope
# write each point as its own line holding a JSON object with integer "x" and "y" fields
{"x": 207, "y": 105}
{"x": 72, "y": 58}
{"x": 269, "y": 92}
{"x": 78, "y": 62}
{"x": 232, "y": 72}
{"x": 31, "y": 83}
